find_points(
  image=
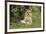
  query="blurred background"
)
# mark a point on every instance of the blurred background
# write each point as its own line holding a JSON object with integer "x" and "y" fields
{"x": 17, "y": 14}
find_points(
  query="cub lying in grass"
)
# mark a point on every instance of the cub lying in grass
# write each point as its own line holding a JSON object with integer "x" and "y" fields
{"x": 27, "y": 17}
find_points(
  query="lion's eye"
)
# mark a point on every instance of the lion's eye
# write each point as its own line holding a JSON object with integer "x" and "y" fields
{"x": 27, "y": 12}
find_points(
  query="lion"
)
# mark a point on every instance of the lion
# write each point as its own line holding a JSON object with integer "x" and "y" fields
{"x": 27, "y": 17}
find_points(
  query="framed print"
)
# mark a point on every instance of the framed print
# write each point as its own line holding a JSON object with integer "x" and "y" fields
{"x": 24, "y": 16}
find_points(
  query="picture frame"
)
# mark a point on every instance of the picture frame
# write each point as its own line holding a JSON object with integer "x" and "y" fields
{"x": 7, "y": 6}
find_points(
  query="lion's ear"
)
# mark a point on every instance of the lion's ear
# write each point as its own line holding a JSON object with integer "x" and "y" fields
{"x": 31, "y": 9}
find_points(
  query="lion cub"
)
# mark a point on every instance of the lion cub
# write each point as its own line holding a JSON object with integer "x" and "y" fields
{"x": 27, "y": 17}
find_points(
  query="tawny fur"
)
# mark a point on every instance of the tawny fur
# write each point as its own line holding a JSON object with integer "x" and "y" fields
{"x": 27, "y": 17}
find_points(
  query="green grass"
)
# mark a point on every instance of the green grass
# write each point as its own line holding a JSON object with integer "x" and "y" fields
{"x": 36, "y": 21}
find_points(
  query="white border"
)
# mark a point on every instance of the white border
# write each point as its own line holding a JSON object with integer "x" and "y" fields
{"x": 28, "y": 29}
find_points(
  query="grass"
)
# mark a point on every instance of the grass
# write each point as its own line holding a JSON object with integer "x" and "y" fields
{"x": 36, "y": 21}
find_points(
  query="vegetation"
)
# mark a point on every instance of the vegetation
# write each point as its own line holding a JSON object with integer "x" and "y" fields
{"x": 17, "y": 14}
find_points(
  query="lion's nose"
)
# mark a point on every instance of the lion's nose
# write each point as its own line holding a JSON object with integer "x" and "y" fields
{"x": 28, "y": 14}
